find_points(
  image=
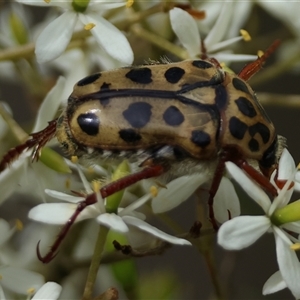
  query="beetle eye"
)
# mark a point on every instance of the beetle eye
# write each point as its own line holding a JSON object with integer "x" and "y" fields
{"x": 89, "y": 123}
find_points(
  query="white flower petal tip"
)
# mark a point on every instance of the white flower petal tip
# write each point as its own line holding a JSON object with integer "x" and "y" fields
{"x": 49, "y": 291}
{"x": 154, "y": 231}
{"x": 55, "y": 37}
{"x": 242, "y": 231}
{"x": 274, "y": 284}
{"x": 113, "y": 221}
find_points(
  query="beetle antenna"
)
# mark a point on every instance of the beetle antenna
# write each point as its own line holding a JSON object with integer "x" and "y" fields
{"x": 36, "y": 141}
{"x": 252, "y": 68}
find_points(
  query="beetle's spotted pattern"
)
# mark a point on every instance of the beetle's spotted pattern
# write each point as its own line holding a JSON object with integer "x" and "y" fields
{"x": 184, "y": 117}
{"x": 193, "y": 106}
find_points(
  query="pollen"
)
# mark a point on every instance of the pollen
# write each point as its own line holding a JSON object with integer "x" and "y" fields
{"x": 19, "y": 225}
{"x": 89, "y": 26}
{"x": 31, "y": 291}
{"x": 74, "y": 159}
{"x": 153, "y": 191}
{"x": 260, "y": 53}
{"x": 298, "y": 166}
{"x": 96, "y": 185}
{"x": 295, "y": 246}
{"x": 68, "y": 183}
{"x": 129, "y": 3}
{"x": 47, "y": 1}
{"x": 245, "y": 34}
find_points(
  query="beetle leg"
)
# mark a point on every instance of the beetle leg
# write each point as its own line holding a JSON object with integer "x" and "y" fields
{"x": 252, "y": 68}
{"x": 37, "y": 142}
{"x": 111, "y": 188}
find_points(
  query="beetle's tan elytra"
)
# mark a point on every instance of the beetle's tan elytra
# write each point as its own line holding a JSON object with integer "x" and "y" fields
{"x": 165, "y": 117}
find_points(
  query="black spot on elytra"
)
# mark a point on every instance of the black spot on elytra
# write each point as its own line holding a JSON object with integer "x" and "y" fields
{"x": 89, "y": 123}
{"x": 173, "y": 116}
{"x": 174, "y": 74}
{"x": 253, "y": 145}
{"x": 138, "y": 114}
{"x": 88, "y": 79}
{"x": 200, "y": 138}
{"x": 104, "y": 88}
{"x": 262, "y": 130}
{"x": 246, "y": 107}
{"x": 240, "y": 85}
{"x": 201, "y": 64}
{"x": 237, "y": 128}
{"x": 129, "y": 135}
{"x": 221, "y": 96}
{"x": 140, "y": 75}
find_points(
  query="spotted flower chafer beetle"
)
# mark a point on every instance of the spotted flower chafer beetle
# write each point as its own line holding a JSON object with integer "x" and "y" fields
{"x": 170, "y": 118}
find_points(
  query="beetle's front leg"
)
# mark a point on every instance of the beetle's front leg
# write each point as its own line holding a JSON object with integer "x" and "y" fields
{"x": 118, "y": 185}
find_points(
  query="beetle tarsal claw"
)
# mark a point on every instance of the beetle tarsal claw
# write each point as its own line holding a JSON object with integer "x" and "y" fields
{"x": 47, "y": 258}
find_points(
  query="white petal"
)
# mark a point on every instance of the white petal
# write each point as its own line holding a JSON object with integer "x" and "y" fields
{"x": 286, "y": 165}
{"x": 63, "y": 196}
{"x": 288, "y": 262}
{"x": 136, "y": 204}
{"x": 250, "y": 187}
{"x": 221, "y": 25}
{"x": 59, "y": 213}
{"x": 49, "y": 291}
{"x": 5, "y": 231}
{"x": 50, "y": 105}
{"x": 2, "y": 296}
{"x": 154, "y": 231}
{"x": 186, "y": 29}
{"x": 242, "y": 231}
{"x": 113, "y": 221}
{"x": 110, "y": 38}
{"x": 55, "y": 37}
{"x": 177, "y": 191}
{"x": 20, "y": 280}
{"x": 12, "y": 175}
{"x": 226, "y": 202}
{"x": 274, "y": 284}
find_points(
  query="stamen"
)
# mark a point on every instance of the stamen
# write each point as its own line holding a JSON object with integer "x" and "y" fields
{"x": 245, "y": 34}
{"x": 96, "y": 185}
{"x": 89, "y": 26}
{"x": 74, "y": 159}
{"x": 19, "y": 225}
{"x": 153, "y": 191}
{"x": 47, "y": 1}
{"x": 129, "y": 3}
{"x": 31, "y": 291}
{"x": 68, "y": 184}
{"x": 260, "y": 53}
{"x": 295, "y": 247}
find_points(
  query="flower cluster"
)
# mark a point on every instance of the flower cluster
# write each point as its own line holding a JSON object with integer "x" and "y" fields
{"x": 75, "y": 38}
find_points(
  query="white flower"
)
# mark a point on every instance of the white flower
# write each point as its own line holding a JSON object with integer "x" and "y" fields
{"x": 186, "y": 29}
{"x": 49, "y": 291}
{"x": 18, "y": 172}
{"x": 19, "y": 280}
{"x": 60, "y": 213}
{"x": 54, "y": 39}
{"x": 181, "y": 189}
{"x": 241, "y": 232}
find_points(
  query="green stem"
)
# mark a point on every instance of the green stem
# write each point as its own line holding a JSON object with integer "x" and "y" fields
{"x": 159, "y": 42}
{"x": 17, "y": 131}
{"x": 95, "y": 263}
